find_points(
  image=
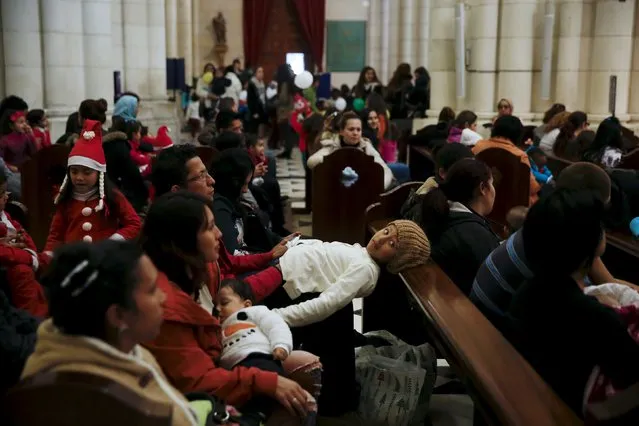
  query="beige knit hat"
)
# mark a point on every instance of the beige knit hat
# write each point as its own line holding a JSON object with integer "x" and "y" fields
{"x": 414, "y": 247}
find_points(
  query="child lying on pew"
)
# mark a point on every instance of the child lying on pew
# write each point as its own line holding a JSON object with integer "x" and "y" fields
{"x": 342, "y": 272}
{"x": 252, "y": 336}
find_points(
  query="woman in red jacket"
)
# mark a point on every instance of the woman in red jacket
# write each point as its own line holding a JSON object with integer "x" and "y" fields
{"x": 181, "y": 238}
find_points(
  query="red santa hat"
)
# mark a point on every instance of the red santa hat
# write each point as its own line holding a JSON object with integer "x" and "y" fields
{"x": 162, "y": 140}
{"x": 88, "y": 152}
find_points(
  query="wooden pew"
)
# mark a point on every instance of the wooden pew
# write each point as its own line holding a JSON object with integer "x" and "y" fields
{"x": 511, "y": 179}
{"x": 420, "y": 163}
{"x": 40, "y": 177}
{"x": 504, "y": 387}
{"x": 67, "y": 398}
{"x": 338, "y": 210}
{"x": 630, "y": 160}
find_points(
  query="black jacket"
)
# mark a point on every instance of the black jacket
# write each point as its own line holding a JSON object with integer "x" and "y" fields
{"x": 17, "y": 341}
{"x": 122, "y": 171}
{"x": 461, "y": 246}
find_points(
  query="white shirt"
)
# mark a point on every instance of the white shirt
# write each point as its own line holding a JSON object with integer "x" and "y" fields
{"x": 548, "y": 141}
{"x": 193, "y": 111}
{"x": 339, "y": 271}
{"x": 253, "y": 330}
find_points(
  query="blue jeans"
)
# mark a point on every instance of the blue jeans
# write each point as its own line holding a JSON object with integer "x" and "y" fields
{"x": 400, "y": 171}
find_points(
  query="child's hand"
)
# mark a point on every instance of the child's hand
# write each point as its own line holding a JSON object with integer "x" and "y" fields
{"x": 260, "y": 170}
{"x": 280, "y": 354}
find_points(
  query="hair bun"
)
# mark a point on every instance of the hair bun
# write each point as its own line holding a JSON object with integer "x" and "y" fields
{"x": 102, "y": 104}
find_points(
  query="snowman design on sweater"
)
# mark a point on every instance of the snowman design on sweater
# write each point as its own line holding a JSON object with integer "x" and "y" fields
{"x": 253, "y": 330}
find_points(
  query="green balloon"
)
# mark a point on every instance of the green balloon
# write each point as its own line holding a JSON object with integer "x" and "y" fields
{"x": 358, "y": 104}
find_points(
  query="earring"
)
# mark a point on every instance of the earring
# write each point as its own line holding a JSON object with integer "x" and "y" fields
{"x": 123, "y": 328}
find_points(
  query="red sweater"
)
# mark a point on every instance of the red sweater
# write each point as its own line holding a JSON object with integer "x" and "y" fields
{"x": 189, "y": 346}
{"x": 42, "y": 138}
{"x": 72, "y": 223}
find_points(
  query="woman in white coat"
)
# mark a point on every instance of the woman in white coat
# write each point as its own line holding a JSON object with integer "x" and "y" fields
{"x": 350, "y": 135}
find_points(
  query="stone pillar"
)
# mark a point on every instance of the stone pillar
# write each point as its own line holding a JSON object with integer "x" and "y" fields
{"x": 516, "y": 42}
{"x": 136, "y": 47}
{"x": 117, "y": 37}
{"x": 171, "y": 29}
{"x": 481, "y": 33}
{"x": 612, "y": 55}
{"x": 185, "y": 37}
{"x": 634, "y": 85}
{"x": 374, "y": 35}
{"x": 157, "y": 49}
{"x": 573, "y": 55}
{"x": 385, "y": 42}
{"x": 195, "y": 37}
{"x": 98, "y": 58}
{"x": 395, "y": 40}
{"x": 408, "y": 31}
{"x": 22, "y": 50}
{"x": 423, "y": 38}
{"x": 2, "y": 92}
{"x": 442, "y": 54}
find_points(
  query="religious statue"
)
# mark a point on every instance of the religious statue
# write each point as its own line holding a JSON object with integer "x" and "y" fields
{"x": 219, "y": 29}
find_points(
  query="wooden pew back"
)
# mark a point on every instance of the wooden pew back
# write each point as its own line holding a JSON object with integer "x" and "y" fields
{"x": 338, "y": 210}
{"x": 41, "y": 176}
{"x": 505, "y": 388}
{"x": 511, "y": 179}
{"x": 67, "y": 398}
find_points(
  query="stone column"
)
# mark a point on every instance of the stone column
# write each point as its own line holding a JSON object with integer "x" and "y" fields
{"x": 374, "y": 35}
{"x": 423, "y": 38}
{"x": 117, "y": 37}
{"x": 442, "y": 54}
{"x": 157, "y": 49}
{"x": 171, "y": 29}
{"x": 612, "y": 55}
{"x": 573, "y": 60}
{"x": 395, "y": 55}
{"x": 22, "y": 50}
{"x": 408, "y": 31}
{"x": 634, "y": 85}
{"x": 516, "y": 42}
{"x": 185, "y": 37}
{"x": 98, "y": 58}
{"x": 385, "y": 42}
{"x": 2, "y": 92}
{"x": 136, "y": 47}
{"x": 195, "y": 37}
{"x": 481, "y": 33}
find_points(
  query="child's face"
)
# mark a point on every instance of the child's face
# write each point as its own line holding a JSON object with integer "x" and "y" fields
{"x": 20, "y": 125}
{"x": 540, "y": 159}
{"x": 228, "y": 302}
{"x": 83, "y": 178}
{"x": 259, "y": 148}
{"x": 384, "y": 244}
{"x": 4, "y": 196}
{"x": 137, "y": 136}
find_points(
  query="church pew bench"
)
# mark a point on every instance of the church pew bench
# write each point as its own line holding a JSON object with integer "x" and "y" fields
{"x": 504, "y": 387}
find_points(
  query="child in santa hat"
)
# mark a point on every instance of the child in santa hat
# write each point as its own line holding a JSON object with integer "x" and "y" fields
{"x": 162, "y": 140}
{"x": 18, "y": 255}
{"x": 89, "y": 208}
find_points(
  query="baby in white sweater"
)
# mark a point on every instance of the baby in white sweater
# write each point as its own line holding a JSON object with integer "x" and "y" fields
{"x": 342, "y": 272}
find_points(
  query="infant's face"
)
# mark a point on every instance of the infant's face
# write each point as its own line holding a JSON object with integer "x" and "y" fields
{"x": 228, "y": 303}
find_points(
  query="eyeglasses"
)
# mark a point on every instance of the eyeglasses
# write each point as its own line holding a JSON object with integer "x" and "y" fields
{"x": 203, "y": 175}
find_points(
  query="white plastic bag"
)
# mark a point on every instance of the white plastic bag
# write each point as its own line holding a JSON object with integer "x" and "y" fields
{"x": 396, "y": 381}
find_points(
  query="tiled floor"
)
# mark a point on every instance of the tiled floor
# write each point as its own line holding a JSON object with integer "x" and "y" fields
{"x": 290, "y": 175}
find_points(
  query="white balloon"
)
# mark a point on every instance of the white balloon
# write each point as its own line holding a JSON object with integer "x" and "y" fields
{"x": 304, "y": 80}
{"x": 340, "y": 104}
{"x": 243, "y": 95}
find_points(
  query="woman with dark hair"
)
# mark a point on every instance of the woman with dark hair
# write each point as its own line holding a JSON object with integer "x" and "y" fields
{"x": 370, "y": 126}
{"x": 454, "y": 219}
{"x": 561, "y": 332}
{"x": 284, "y": 107}
{"x": 552, "y": 131}
{"x": 398, "y": 90}
{"x": 123, "y": 172}
{"x": 71, "y": 131}
{"x": 257, "y": 102}
{"x": 39, "y": 123}
{"x": 104, "y": 301}
{"x": 576, "y": 123}
{"x": 607, "y": 147}
{"x": 181, "y": 237}
{"x": 419, "y": 97}
{"x": 464, "y": 129}
{"x": 242, "y": 230}
{"x": 540, "y": 130}
{"x": 366, "y": 83}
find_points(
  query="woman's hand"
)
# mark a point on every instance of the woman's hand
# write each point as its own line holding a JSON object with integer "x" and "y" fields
{"x": 281, "y": 248}
{"x": 292, "y": 396}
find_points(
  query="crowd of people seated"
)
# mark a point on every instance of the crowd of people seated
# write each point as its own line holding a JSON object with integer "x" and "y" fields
{"x": 161, "y": 266}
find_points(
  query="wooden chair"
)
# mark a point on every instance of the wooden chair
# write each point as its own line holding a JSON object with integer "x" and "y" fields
{"x": 70, "y": 399}
{"x": 511, "y": 179}
{"x": 504, "y": 387}
{"x": 420, "y": 163}
{"x": 207, "y": 154}
{"x": 41, "y": 177}
{"x": 338, "y": 210}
